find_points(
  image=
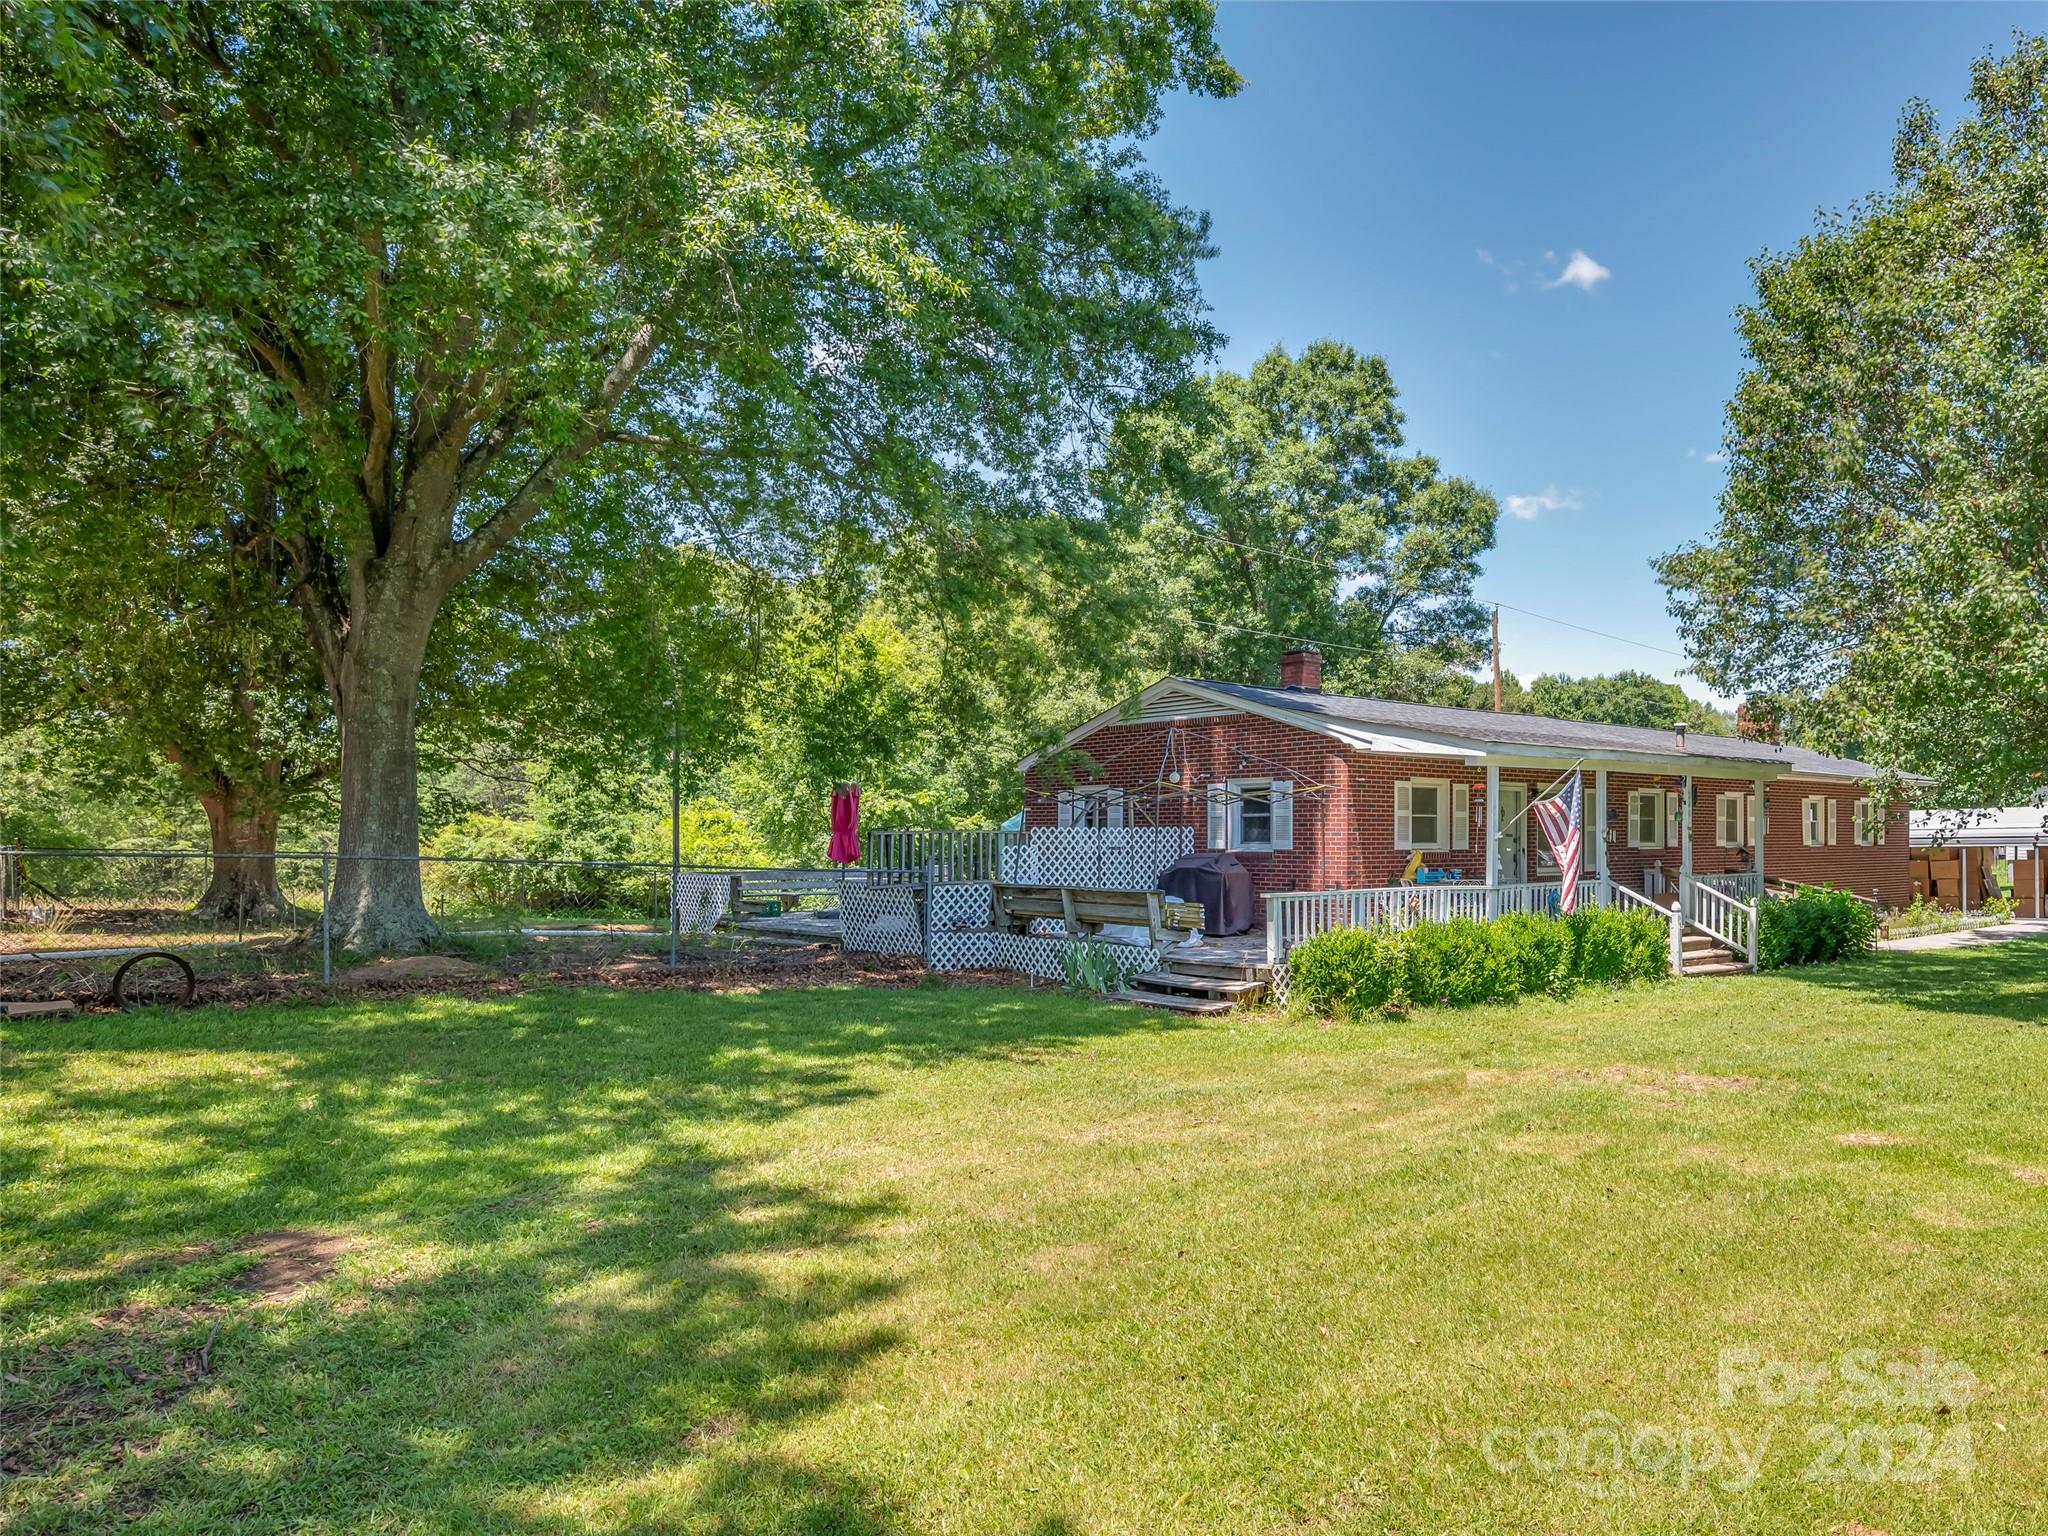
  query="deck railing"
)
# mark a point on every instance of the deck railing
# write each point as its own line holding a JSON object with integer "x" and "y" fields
{"x": 1292, "y": 916}
{"x": 959, "y": 855}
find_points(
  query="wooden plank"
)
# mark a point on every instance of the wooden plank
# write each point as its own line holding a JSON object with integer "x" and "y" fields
{"x": 39, "y": 1010}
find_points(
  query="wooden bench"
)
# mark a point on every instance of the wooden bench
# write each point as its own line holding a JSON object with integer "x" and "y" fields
{"x": 1086, "y": 912}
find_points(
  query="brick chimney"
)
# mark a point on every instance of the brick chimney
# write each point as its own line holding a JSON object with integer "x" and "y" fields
{"x": 1302, "y": 669}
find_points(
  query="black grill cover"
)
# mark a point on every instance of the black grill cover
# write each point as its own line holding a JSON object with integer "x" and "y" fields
{"x": 1221, "y": 884}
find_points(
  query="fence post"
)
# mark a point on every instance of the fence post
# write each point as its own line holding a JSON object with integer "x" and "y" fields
{"x": 326, "y": 919}
{"x": 1677, "y": 942}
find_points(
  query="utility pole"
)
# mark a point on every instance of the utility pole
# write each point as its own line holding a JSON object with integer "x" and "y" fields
{"x": 1496, "y": 658}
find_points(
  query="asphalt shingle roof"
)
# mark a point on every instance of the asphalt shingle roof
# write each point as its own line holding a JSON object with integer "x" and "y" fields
{"x": 1483, "y": 725}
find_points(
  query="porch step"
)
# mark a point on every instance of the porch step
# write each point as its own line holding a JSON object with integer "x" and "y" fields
{"x": 1176, "y": 1001}
{"x": 1213, "y": 986}
{"x": 1695, "y": 942}
{"x": 1724, "y": 964}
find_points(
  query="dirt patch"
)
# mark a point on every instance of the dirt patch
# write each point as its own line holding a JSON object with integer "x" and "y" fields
{"x": 288, "y": 1262}
{"x": 1064, "y": 1258}
{"x": 411, "y": 968}
{"x": 1870, "y": 1139}
{"x": 759, "y": 971}
{"x": 1659, "y": 1080}
{"x": 2030, "y": 1175}
{"x": 142, "y": 1358}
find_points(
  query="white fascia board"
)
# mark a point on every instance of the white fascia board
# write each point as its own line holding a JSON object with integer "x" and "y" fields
{"x": 1119, "y": 714}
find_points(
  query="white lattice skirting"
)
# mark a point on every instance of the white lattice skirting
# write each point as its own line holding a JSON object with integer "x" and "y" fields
{"x": 1096, "y": 858}
{"x": 958, "y": 937}
{"x": 701, "y": 900}
{"x": 880, "y": 920}
{"x": 1042, "y": 956}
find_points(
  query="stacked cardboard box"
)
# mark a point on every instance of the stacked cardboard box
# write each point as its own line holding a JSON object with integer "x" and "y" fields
{"x": 2023, "y": 885}
{"x": 1939, "y": 875}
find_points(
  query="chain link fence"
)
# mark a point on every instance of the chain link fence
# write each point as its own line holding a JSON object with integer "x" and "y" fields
{"x": 257, "y": 925}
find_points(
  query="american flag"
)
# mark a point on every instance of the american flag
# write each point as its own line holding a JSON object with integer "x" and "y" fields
{"x": 1562, "y": 817}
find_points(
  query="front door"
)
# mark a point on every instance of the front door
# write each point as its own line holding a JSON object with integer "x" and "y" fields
{"x": 1514, "y": 834}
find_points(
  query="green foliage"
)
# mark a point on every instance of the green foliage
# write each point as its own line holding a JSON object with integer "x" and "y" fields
{"x": 1881, "y": 560}
{"x": 1617, "y": 944}
{"x": 1813, "y": 926}
{"x": 1093, "y": 965}
{"x": 1464, "y": 962}
{"x": 576, "y": 829}
{"x": 812, "y": 280}
{"x": 1279, "y": 501}
{"x": 1353, "y": 970}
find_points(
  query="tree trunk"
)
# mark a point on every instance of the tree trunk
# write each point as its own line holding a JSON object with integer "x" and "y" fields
{"x": 377, "y": 905}
{"x": 244, "y": 884}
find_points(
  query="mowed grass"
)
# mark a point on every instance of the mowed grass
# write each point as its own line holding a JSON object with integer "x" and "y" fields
{"x": 954, "y": 1260}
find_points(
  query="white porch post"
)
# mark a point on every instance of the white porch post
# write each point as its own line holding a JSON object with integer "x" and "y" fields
{"x": 1493, "y": 839}
{"x": 1597, "y": 830}
{"x": 1757, "y": 834}
{"x": 2036, "y": 861}
{"x": 1966, "y": 879}
{"x": 1684, "y": 843}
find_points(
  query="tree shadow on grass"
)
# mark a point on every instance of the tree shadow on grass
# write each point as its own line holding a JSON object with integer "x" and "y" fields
{"x": 611, "y": 1303}
{"x": 2001, "y": 981}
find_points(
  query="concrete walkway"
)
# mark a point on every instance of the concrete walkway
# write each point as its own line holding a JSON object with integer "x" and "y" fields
{"x": 1965, "y": 938}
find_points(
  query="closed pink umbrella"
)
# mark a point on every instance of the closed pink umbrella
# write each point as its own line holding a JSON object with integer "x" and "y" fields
{"x": 845, "y": 847}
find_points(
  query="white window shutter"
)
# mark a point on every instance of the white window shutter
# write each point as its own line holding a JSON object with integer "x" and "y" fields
{"x": 1461, "y": 816}
{"x": 1219, "y": 816}
{"x": 1404, "y": 815}
{"x": 1756, "y": 823}
{"x": 1672, "y": 821}
{"x": 1282, "y": 792}
{"x": 1832, "y": 808}
{"x": 1877, "y": 813}
{"x": 1115, "y": 816}
{"x": 1066, "y": 805}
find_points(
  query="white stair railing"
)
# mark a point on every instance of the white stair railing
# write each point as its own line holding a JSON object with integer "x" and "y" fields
{"x": 1706, "y": 905}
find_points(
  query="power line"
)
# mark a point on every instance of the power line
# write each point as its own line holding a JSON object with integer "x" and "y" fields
{"x": 1331, "y": 565}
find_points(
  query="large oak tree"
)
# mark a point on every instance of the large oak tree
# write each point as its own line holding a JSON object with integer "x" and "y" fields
{"x": 432, "y": 266}
{"x": 1881, "y": 560}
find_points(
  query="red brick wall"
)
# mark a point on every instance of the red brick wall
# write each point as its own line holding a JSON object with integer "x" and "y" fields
{"x": 1880, "y": 871}
{"x": 1344, "y": 831}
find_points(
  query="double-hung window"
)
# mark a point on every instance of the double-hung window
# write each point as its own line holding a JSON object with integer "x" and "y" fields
{"x": 1095, "y": 807}
{"x": 1432, "y": 815}
{"x": 1817, "y": 821}
{"x": 1252, "y": 815}
{"x": 1646, "y": 818}
{"x": 1728, "y": 820}
{"x": 1869, "y": 823}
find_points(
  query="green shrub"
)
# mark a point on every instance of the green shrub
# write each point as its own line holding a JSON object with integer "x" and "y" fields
{"x": 1462, "y": 962}
{"x": 1813, "y": 926}
{"x": 1349, "y": 970}
{"x": 1619, "y": 944}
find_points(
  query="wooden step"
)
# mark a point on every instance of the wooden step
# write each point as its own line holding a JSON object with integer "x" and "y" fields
{"x": 1728, "y": 967}
{"x": 1176, "y": 1001}
{"x": 1702, "y": 941}
{"x": 1195, "y": 964}
{"x": 1215, "y": 986}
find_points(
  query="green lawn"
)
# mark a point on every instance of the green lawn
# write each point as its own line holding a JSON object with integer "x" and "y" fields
{"x": 948, "y": 1260}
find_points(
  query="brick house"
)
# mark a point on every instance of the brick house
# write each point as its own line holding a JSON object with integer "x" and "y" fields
{"x": 1317, "y": 791}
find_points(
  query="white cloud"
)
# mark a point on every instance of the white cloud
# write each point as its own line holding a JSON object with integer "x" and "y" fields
{"x": 1582, "y": 271}
{"x": 1716, "y": 456}
{"x": 1535, "y": 503}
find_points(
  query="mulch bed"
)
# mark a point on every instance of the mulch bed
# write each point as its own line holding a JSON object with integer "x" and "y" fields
{"x": 807, "y": 966}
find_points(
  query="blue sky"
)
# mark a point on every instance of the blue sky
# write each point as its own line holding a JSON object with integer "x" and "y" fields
{"x": 1414, "y": 180}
